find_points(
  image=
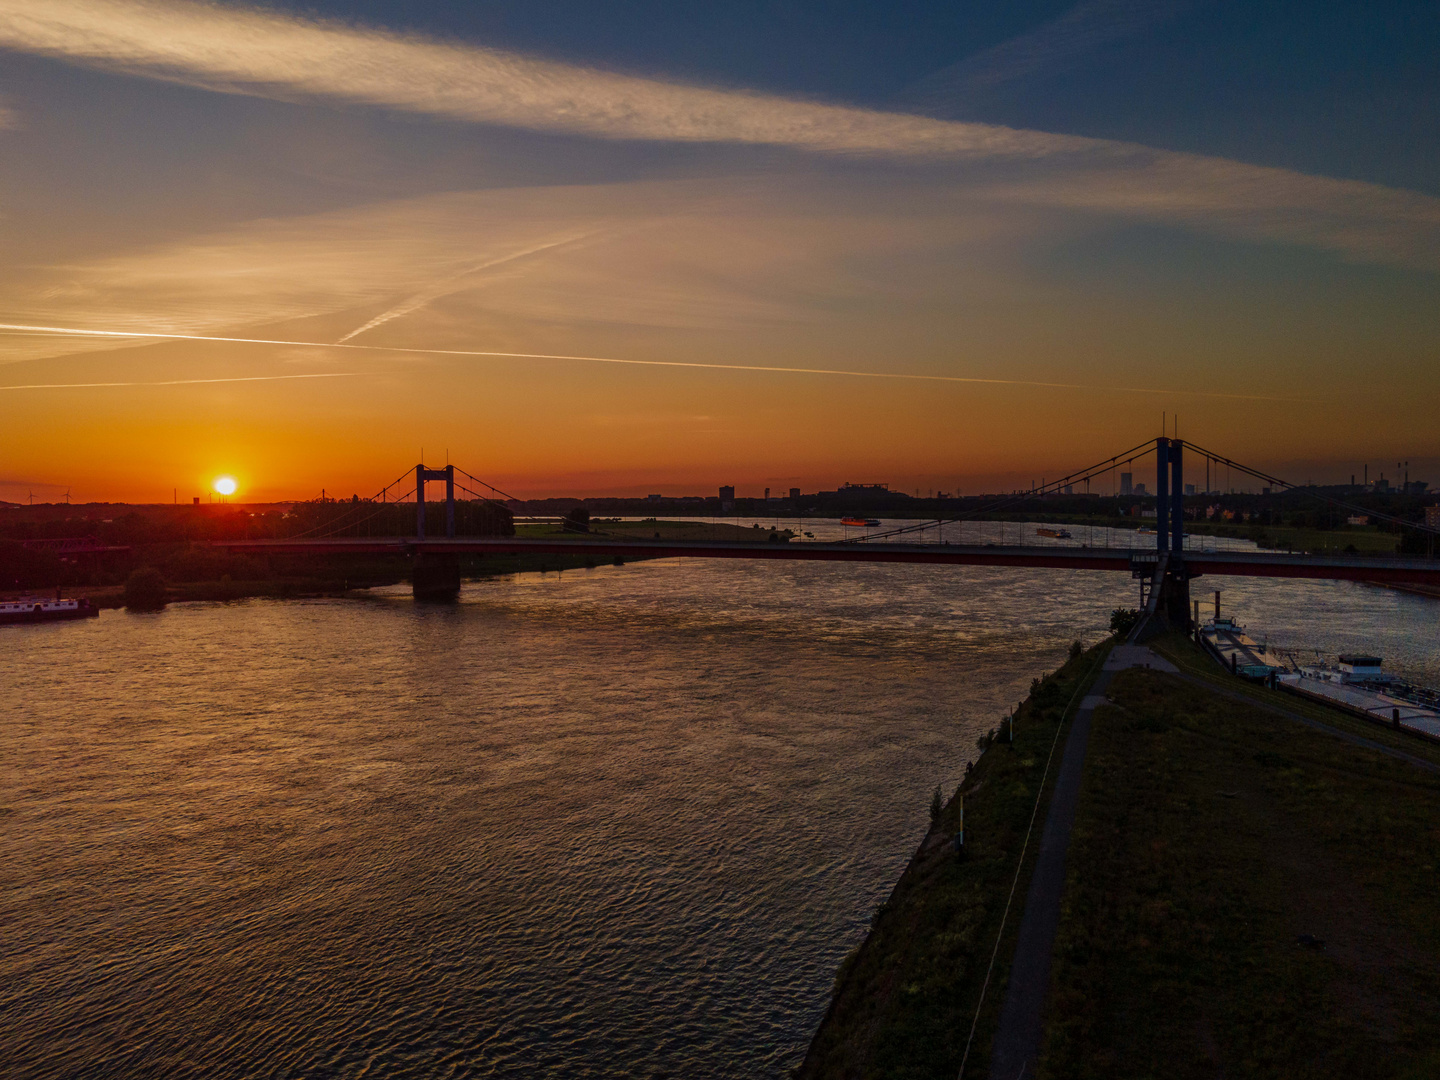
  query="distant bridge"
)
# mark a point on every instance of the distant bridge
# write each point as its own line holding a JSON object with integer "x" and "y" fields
{"x": 1135, "y": 562}
{"x": 67, "y": 546}
{"x": 1168, "y": 565}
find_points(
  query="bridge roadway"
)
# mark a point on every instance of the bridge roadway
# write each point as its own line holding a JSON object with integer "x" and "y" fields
{"x": 1388, "y": 570}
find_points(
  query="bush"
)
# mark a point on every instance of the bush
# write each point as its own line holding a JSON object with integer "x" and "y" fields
{"x": 145, "y": 590}
{"x": 1123, "y": 620}
{"x": 1076, "y": 649}
{"x": 577, "y": 520}
{"x": 937, "y": 803}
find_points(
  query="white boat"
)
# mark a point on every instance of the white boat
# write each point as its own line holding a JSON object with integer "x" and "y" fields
{"x": 34, "y": 609}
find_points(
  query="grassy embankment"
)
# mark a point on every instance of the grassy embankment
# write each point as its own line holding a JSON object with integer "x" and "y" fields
{"x": 904, "y": 1000}
{"x": 1213, "y": 836}
{"x": 1347, "y": 539}
{"x": 1217, "y": 847}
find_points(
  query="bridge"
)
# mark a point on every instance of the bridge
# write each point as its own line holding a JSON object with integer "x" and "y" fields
{"x": 1164, "y": 570}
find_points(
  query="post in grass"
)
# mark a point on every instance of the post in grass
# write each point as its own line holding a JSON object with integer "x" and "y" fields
{"x": 960, "y": 830}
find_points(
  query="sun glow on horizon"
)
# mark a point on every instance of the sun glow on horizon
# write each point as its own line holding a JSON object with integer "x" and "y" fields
{"x": 226, "y": 485}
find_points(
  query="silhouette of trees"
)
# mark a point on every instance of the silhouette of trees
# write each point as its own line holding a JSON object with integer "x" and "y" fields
{"x": 145, "y": 590}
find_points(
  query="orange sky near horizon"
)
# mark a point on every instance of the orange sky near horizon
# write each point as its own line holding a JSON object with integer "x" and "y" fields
{"x": 1055, "y": 294}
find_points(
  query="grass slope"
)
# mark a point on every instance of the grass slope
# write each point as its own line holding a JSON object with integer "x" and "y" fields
{"x": 1211, "y": 836}
{"x": 904, "y": 1000}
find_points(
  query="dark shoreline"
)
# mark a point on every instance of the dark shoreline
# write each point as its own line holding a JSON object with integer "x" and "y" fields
{"x": 1175, "y": 843}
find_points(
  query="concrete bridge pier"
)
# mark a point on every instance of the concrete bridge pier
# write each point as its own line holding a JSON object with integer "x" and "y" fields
{"x": 1175, "y": 595}
{"x": 435, "y": 577}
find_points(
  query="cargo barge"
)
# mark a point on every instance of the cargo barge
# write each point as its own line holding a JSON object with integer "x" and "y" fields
{"x": 36, "y": 610}
{"x": 1226, "y": 640}
{"x": 1358, "y": 685}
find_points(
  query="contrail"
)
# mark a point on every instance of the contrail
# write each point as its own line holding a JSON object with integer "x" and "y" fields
{"x": 73, "y": 332}
{"x": 420, "y": 299}
{"x": 175, "y": 382}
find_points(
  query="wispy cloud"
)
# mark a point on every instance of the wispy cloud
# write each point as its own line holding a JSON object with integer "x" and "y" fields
{"x": 176, "y": 382}
{"x": 695, "y": 365}
{"x": 465, "y": 279}
{"x": 240, "y": 50}
{"x": 1051, "y": 48}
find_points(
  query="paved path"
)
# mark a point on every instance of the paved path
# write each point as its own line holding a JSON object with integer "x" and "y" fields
{"x": 1016, "y": 1048}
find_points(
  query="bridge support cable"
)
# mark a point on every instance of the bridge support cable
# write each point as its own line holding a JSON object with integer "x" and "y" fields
{"x": 1125, "y": 457}
{"x": 382, "y": 495}
{"x": 1330, "y": 499}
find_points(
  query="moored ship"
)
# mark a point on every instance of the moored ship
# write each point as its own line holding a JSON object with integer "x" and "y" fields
{"x": 1226, "y": 640}
{"x": 37, "y": 610}
{"x": 1358, "y": 685}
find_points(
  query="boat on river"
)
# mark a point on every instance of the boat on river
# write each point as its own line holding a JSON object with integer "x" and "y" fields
{"x": 34, "y": 609}
{"x": 1360, "y": 686}
{"x": 861, "y": 523}
{"x": 1054, "y": 534}
{"x": 1226, "y": 640}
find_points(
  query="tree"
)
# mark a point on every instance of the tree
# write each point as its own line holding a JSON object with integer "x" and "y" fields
{"x": 145, "y": 590}
{"x": 577, "y": 520}
{"x": 1123, "y": 620}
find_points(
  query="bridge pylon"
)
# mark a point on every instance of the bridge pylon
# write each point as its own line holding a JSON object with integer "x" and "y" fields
{"x": 433, "y": 575}
{"x": 1171, "y": 581}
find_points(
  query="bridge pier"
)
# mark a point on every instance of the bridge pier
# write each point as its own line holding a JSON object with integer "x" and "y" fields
{"x": 435, "y": 577}
{"x": 1175, "y": 594}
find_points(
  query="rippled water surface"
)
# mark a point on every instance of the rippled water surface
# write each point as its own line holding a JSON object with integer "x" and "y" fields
{"x": 618, "y": 822}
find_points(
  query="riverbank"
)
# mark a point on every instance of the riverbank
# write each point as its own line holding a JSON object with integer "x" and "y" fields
{"x": 331, "y": 586}
{"x": 1246, "y": 896}
{"x": 201, "y": 572}
{"x": 905, "y": 999}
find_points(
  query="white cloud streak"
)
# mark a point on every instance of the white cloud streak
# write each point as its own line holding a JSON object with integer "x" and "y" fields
{"x": 179, "y": 382}
{"x": 464, "y": 279}
{"x": 494, "y": 354}
{"x": 240, "y": 50}
{"x": 235, "y": 49}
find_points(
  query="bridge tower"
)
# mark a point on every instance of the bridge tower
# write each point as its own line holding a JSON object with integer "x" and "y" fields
{"x": 434, "y": 575}
{"x": 423, "y": 474}
{"x": 1172, "y": 577}
{"x": 1162, "y": 495}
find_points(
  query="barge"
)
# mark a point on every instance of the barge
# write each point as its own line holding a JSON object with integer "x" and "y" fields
{"x": 37, "y": 610}
{"x": 1358, "y": 685}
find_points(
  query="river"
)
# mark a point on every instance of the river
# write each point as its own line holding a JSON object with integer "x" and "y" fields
{"x": 614, "y": 822}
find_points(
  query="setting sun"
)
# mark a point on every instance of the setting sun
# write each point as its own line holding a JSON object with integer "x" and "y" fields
{"x": 225, "y": 485}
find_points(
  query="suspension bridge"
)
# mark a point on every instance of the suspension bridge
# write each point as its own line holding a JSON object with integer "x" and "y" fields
{"x": 1163, "y": 571}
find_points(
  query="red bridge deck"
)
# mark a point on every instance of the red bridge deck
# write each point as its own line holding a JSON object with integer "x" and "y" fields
{"x": 1413, "y": 571}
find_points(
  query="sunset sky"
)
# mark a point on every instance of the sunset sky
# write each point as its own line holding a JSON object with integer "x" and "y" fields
{"x": 563, "y": 242}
